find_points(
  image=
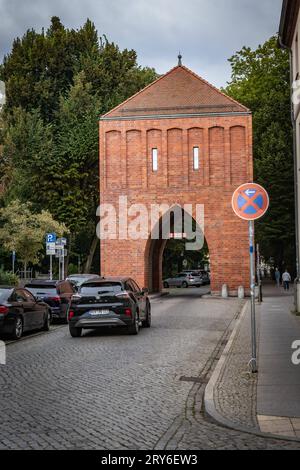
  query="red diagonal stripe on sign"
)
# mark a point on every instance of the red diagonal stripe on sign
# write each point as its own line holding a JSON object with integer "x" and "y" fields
{"x": 250, "y": 202}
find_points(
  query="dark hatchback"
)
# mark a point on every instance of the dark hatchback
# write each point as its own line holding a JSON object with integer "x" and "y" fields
{"x": 57, "y": 294}
{"x": 110, "y": 302}
{"x": 21, "y": 312}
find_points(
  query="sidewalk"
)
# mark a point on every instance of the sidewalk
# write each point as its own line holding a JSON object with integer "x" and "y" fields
{"x": 268, "y": 402}
{"x": 278, "y": 388}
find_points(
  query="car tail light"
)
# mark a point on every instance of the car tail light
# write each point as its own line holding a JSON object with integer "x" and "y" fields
{"x": 128, "y": 312}
{"x": 55, "y": 299}
{"x": 3, "y": 310}
{"x": 71, "y": 314}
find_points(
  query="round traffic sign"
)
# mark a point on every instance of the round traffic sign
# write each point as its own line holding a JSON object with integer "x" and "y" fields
{"x": 250, "y": 201}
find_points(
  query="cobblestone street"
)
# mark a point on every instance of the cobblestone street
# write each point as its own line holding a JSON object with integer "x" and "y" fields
{"x": 109, "y": 390}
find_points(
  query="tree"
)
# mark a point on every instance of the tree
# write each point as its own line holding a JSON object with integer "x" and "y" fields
{"x": 175, "y": 253}
{"x": 27, "y": 156}
{"x": 58, "y": 82}
{"x": 24, "y": 231}
{"x": 41, "y": 68}
{"x": 261, "y": 81}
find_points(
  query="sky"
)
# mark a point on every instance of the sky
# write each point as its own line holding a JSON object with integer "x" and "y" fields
{"x": 207, "y": 32}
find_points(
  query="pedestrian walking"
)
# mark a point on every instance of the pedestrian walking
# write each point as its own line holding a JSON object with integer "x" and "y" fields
{"x": 277, "y": 277}
{"x": 286, "y": 278}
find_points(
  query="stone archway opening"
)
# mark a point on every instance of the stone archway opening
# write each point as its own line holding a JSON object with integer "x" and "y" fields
{"x": 167, "y": 256}
{"x": 177, "y": 259}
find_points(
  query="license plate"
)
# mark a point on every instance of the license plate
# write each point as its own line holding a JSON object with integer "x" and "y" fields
{"x": 97, "y": 313}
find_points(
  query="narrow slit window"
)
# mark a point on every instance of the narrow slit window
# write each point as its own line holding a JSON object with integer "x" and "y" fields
{"x": 154, "y": 160}
{"x": 196, "y": 162}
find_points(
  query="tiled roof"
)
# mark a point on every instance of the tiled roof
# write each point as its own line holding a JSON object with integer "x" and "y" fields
{"x": 180, "y": 91}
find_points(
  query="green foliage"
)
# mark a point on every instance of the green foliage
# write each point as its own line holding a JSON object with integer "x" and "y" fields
{"x": 58, "y": 82}
{"x": 175, "y": 254}
{"x": 24, "y": 232}
{"x": 261, "y": 81}
{"x": 41, "y": 67}
{"x": 8, "y": 279}
{"x": 73, "y": 269}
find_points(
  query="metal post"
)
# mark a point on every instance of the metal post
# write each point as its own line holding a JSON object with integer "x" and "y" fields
{"x": 63, "y": 265}
{"x": 59, "y": 267}
{"x": 13, "y": 261}
{"x": 259, "y": 275}
{"x": 252, "y": 284}
{"x": 51, "y": 268}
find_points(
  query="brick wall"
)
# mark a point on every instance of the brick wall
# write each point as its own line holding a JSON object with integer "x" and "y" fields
{"x": 225, "y": 153}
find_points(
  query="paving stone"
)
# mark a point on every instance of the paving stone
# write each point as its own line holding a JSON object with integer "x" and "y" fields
{"x": 113, "y": 391}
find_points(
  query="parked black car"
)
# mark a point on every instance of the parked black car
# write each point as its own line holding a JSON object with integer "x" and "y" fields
{"x": 57, "y": 294}
{"x": 20, "y": 311}
{"x": 110, "y": 302}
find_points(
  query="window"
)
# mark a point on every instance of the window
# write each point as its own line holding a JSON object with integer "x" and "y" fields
{"x": 135, "y": 286}
{"x": 23, "y": 296}
{"x": 29, "y": 296}
{"x": 154, "y": 160}
{"x": 196, "y": 158}
{"x": 101, "y": 288}
{"x": 128, "y": 286}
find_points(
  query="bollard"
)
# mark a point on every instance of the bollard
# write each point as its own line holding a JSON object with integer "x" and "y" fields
{"x": 225, "y": 291}
{"x": 241, "y": 292}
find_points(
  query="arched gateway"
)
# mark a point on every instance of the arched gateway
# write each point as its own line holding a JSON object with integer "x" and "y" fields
{"x": 180, "y": 141}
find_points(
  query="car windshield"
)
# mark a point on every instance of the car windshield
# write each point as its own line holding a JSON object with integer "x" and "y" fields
{"x": 105, "y": 287}
{"x": 41, "y": 289}
{"x": 5, "y": 294}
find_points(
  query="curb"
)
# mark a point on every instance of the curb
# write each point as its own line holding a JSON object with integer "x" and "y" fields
{"x": 208, "y": 401}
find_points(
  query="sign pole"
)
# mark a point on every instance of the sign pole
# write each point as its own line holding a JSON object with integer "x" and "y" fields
{"x": 59, "y": 268}
{"x": 252, "y": 284}
{"x": 63, "y": 265}
{"x": 260, "y": 299}
{"x": 50, "y": 250}
{"x": 250, "y": 202}
{"x": 13, "y": 261}
{"x": 51, "y": 268}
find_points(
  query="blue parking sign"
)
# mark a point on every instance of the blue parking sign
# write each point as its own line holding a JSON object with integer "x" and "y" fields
{"x": 51, "y": 237}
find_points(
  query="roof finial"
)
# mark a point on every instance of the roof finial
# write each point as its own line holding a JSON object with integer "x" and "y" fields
{"x": 179, "y": 59}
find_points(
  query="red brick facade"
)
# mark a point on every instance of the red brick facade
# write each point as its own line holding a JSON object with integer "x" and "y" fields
{"x": 222, "y": 129}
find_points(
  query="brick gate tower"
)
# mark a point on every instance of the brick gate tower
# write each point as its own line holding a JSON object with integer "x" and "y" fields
{"x": 178, "y": 141}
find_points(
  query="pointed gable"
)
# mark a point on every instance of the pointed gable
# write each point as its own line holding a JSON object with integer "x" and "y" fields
{"x": 179, "y": 92}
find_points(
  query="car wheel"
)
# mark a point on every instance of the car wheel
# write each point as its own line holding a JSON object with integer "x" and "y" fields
{"x": 135, "y": 328}
{"x": 185, "y": 285}
{"x": 47, "y": 323}
{"x": 75, "y": 332}
{"x": 147, "y": 322}
{"x": 166, "y": 285}
{"x": 18, "y": 329}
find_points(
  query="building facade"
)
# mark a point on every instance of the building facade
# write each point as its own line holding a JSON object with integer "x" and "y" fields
{"x": 289, "y": 34}
{"x": 179, "y": 141}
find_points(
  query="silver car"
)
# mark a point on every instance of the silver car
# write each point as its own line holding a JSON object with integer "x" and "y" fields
{"x": 184, "y": 280}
